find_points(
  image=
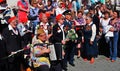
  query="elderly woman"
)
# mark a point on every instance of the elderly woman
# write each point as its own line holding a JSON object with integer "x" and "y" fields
{"x": 90, "y": 40}
{"x": 58, "y": 40}
{"x": 13, "y": 43}
{"x": 39, "y": 52}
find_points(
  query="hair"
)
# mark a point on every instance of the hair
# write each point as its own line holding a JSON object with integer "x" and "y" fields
{"x": 106, "y": 12}
{"x": 118, "y": 14}
{"x": 50, "y": 1}
{"x": 80, "y": 12}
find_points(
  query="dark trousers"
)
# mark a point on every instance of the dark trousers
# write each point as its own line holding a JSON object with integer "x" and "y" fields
{"x": 56, "y": 65}
{"x": 69, "y": 52}
{"x": 14, "y": 62}
{"x": 103, "y": 46}
{"x": 14, "y": 66}
{"x": 58, "y": 50}
{"x": 3, "y": 67}
{"x": 42, "y": 68}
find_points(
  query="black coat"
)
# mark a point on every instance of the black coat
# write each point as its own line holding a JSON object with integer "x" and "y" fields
{"x": 3, "y": 52}
{"x": 13, "y": 41}
{"x": 57, "y": 36}
{"x": 68, "y": 24}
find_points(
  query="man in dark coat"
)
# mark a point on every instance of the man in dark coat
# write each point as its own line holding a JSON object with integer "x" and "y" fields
{"x": 13, "y": 43}
{"x": 70, "y": 45}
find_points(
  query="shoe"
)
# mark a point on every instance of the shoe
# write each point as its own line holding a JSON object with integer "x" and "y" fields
{"x": 107, "y": 58}
{"x": 112, "y": 60}
{"x": 92, "y": 61}
{"x": 28, "y": 69}
{"x": 85, "y": 59}
{"x": 72, "y": 64}
{"x": 78, "y": 56}
{"x": 64, "y": 68}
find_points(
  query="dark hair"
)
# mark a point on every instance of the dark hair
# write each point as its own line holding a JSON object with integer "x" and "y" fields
{"x": 117, "y": 13}
{"x": 80, "y": 12}
{"x": 50, "y": 2}
{"x": 106, "y": 12}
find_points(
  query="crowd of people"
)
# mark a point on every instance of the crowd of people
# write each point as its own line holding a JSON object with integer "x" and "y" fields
{"x": 45, "y": 35}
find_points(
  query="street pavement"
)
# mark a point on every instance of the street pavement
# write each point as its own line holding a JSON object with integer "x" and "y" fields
{"x": 101, "y": 64}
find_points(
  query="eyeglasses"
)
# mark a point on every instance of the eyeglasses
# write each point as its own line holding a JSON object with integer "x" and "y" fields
{"x": 62, "y": 18}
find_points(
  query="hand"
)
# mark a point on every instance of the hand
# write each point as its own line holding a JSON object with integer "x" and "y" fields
{"x": 49, "y": 35}
{"x": 13, "y": 53}
{"x": 83, "y": 41}
{"x": 63, "y": 53}
{"x": 46, "y": 50}
{"x": 112, "y": 29}
{"x": 91, "y": 42}
{"x": 67, "y": 39}
{"x": 63, "y": 42}
{"x": 79, "y": 45}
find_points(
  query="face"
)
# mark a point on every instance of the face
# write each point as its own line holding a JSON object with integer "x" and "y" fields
{"x": 115, "y": 15}
{"x": 34, "y": 4}
{"x": 14, "y": 23}
{"x": 49, "y": 3}
{"x": 68, "y": 17}
{"x": 42, "y": 37}
{"x": 44, "y": 18}
{"x": 91, "y": 11}
{"x": 88, "y": 20}
{"x": 106, "y": 15}
{"x": 79, "y": 15}
{"x": 61, "y": 20}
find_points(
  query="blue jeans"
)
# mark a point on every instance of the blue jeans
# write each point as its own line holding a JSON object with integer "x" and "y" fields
{"x": 113, "y": 46}
{"x": 34, "y": 26}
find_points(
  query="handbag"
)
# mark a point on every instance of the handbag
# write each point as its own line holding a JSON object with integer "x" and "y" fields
{"x": 30, "y": 17}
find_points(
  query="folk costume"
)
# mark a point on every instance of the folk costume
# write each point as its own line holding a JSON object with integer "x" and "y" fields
{"x": 89, "y": 35}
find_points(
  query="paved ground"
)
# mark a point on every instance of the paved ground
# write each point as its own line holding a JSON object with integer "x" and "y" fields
{"x": 101, "y": 64}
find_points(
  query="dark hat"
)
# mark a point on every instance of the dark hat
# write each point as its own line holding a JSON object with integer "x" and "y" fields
{"x": 67, "y": 12}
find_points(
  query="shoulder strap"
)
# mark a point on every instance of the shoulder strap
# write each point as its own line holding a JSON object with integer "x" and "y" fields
{"x": 91, "y": 25}
{"x": 32, "y": 11}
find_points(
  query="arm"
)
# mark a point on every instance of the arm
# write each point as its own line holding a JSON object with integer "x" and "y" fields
{"x": 93, "y": 33}
{"x": 41, "y": 51}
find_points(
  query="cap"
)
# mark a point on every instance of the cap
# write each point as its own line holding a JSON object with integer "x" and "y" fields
{"x": 11, "y": 19}
{"x": 1, "y": 1}
{"x": 67, "y": 12}
{"x": 40, "y": 31}
{"x": 47, "y": 14}
{"x": 58, "y": 17}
